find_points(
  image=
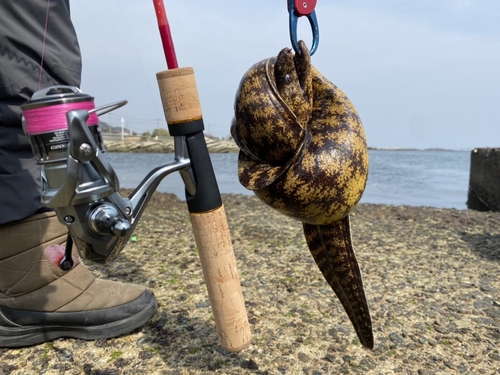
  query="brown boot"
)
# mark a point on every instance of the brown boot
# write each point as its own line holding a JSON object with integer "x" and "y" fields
{"x": 40, "y": 302}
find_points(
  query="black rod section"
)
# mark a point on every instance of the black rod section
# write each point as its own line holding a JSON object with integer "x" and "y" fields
{"x": 207, "y": 195}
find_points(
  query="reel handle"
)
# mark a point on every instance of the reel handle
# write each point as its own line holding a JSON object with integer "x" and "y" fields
{"x": 182, "y": 109}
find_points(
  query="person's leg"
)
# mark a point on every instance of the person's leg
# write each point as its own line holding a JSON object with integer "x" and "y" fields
{"x": 40, "y": 302}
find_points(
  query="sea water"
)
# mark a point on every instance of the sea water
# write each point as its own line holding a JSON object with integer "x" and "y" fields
{"x": 433, "y": 178}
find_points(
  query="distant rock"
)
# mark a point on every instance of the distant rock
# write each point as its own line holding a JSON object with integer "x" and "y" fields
{"x": 215, "y": 146}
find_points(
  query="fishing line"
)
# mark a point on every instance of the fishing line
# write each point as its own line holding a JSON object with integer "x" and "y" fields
{"x": 53, "y": 117}
{"x": 139, "y": 59}
{"x": 43, "y": 44}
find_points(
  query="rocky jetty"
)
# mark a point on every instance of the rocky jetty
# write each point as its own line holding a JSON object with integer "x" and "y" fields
{"x": 214, "y": 145}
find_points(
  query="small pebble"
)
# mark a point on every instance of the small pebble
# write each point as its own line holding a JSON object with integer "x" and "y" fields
{"x": 494, "y": 356}
{"x": 64, "y": 354}
{"x": 396, "y": 339}
{"x": 143, "y": 340}
{"x": 304, "y": 357}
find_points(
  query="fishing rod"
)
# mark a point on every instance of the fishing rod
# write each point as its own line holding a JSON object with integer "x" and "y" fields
{"x": 183, "y": 113}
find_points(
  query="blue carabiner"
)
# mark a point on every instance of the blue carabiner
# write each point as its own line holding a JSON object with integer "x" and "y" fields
{"x": 294, "y": 16}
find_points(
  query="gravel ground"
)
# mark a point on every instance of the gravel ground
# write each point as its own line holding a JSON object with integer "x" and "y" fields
{"x": 431, "y": 278}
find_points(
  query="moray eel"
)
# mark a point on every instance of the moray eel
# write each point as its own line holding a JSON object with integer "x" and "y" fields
{"x": 303, "y": 152}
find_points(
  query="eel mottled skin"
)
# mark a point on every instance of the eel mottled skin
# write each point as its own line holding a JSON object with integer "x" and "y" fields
{"x": 331, "y": 248}
{"x": 303, "y": 152}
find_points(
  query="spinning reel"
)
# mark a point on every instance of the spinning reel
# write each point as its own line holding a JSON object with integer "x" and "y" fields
{"x": 78, "y": 182}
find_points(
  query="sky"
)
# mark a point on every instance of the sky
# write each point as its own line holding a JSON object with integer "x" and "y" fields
{"x": 421, "y": 74}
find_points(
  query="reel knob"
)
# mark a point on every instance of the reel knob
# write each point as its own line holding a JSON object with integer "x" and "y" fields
{"x": 105, "y": 219}
{"x": 120, "y": 228}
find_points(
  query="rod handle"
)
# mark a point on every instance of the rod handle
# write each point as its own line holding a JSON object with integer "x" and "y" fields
{"x": 218, "y": 262}
{"x": 183, "y": 113}
{"x": 179, "y": 96}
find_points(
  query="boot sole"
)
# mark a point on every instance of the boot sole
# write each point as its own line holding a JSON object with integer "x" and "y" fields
{"x": 18, "y": 335}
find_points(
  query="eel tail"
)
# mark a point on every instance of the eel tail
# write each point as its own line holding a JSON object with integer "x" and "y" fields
{"x": 331, "y": 248}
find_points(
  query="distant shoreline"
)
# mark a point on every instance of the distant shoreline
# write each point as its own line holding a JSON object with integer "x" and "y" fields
{"x": 414, "y": 149}
{"x": 215, "y": 145}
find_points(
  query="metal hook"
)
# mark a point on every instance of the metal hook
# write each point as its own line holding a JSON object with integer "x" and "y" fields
{"x": 299, "y": 8}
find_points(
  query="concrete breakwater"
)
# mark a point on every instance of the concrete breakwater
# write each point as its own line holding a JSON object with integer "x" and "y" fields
{"x": 217, "y": 146}
{"x": 484, "y": 194}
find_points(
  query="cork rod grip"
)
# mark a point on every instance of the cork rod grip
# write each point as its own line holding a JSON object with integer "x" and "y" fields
{"x": 183, "y": 113}
{"x": 218, "y": 262}
{"x": 179, "y": 95}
